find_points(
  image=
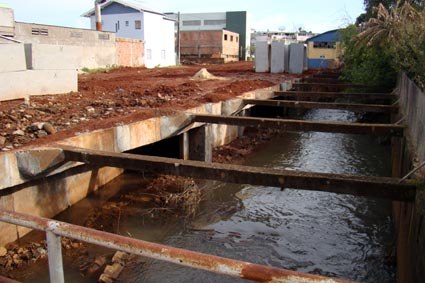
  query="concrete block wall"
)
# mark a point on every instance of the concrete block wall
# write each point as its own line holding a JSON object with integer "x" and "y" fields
{"x": 36, "y": 70}
{"x": 12, "y": 57}
{"x": 93, "y": 49}
{"x": 262, "y": 57}
{"x": 277, "y": 57}
{"x": 51, "y": 57}
{"x": 296, "y": 58}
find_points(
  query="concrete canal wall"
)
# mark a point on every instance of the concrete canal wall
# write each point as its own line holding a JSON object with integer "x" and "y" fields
{"x": 409, "y": 153}
{"x": 64, "y": 186}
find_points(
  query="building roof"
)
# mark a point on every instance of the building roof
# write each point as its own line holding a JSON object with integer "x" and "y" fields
{"x": 131, "y": 4}
{"x": 330, "y": 35}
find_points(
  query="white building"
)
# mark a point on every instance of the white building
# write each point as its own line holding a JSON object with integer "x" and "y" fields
{"x": 132, "y": 20}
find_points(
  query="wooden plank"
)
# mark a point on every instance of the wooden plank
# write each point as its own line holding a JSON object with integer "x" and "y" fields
{"x": 377, "y": 187}
{"x": 322, "y": 105}
{"x": 303, "y": 126}
{"x": 335, "y": 95}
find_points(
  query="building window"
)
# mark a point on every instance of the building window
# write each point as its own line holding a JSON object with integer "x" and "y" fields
{"x": 149, "y": 54}
{"x": 40, "y": 31}
{"x": 325, "y": 45}
{"x": 225, "y": 37}
{"x": 103, "y": 36}
{"x": 214, "y": 22}
{"x": 237, "y": 39}
{"x": 127, "y": 23}
{"x": 138, "y": 24}
{"x": 76, "y": 34}
{"x": 163, "y": 57}
{"x": 231, "y": 38}
{"x": 191, "y": 23}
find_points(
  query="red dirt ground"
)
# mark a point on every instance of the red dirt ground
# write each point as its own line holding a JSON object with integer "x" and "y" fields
{"x": 122, "y": 96}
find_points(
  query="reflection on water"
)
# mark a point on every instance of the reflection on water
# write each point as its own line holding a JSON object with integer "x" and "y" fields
{"x": 316, "y": 232}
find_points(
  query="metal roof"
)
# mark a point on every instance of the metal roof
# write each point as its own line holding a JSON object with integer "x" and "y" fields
{"x": 330, "y": 35}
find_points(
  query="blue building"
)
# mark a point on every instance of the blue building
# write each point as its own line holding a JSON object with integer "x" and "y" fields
{"x": 324, "y": 50}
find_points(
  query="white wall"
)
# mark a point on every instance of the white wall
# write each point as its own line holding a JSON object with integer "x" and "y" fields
{"x": 159, "y": 41}
{"x": 109, "y": 21}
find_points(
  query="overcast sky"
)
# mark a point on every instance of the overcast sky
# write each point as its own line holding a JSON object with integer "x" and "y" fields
{"x": 288, "y": 15}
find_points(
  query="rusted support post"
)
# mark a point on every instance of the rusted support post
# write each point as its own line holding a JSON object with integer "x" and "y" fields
{"x": 200, "y": 147}
{"x": 184, "y": 146}
{"x": 54, "y": 252}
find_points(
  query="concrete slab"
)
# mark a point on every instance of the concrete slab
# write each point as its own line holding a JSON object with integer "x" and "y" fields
{"x": 277, "y": 57}
{"x": 296, "y": 58}
{"x": 19, "y": 85}
{"x": 52, "y": 57}
{"x": 12, "y": 57}
{"x": 262, "y": 57}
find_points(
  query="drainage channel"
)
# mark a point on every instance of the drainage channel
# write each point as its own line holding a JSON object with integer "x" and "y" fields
{"x": 299, "y": 224}
{"x": 314, "y": 232}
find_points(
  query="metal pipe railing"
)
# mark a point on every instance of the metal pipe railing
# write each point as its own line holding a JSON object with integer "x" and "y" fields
{"x": 235, "y": 268}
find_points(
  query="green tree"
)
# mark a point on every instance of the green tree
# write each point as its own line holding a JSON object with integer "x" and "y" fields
{"x": 371, "y": 6}
{"x": 363, "y": 64}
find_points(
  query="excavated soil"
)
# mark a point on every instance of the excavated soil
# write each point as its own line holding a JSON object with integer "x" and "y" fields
{"x": 122, "y": 96}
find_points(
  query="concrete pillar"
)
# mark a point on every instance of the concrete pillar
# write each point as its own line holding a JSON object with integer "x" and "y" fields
{"x": 277, "y": 57}
{"x": 262, "y": 58}
{"x": 296, "y": 58}
{"x": 184, "y": 146}
{"x": 200, "y": 146}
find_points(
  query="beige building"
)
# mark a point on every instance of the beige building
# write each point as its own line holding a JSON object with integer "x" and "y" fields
{"x": 220, "y": 46}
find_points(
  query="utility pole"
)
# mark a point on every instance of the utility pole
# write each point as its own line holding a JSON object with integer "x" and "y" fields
{"x": 178, "y": 38}
{"x": 98, "y": 14}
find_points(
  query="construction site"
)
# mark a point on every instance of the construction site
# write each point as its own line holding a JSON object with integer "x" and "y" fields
{"x": 136, "y": 169}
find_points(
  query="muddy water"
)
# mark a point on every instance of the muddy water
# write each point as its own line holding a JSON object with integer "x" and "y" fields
{"x": 322, "y": 233}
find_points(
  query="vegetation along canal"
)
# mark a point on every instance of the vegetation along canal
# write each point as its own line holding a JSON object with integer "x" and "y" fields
{"x": 316, "y": 232}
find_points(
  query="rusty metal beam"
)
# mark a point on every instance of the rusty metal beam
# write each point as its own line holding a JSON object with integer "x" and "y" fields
{"x": 377, "y": 187}
{"x": 303, "y": 126}
{"x": 328, "y": 80}
{"x": 322, "y": 105}
{"x": 216, "y": 264}
{"x": 334, "y": 95}
{"x": 327, "y": 85}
